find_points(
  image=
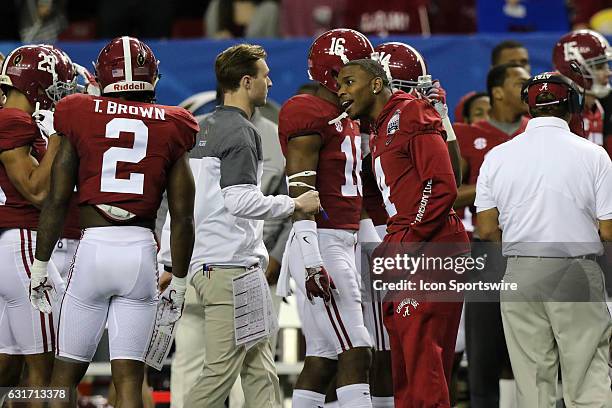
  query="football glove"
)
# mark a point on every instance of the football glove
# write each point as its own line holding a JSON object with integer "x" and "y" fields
{"x": 41, "y": 286}
{"x": 319, "y": 284}
{"x": 437, "y": 96}
{"x": 170, "y": 306}
{"x": 44, "y": 121}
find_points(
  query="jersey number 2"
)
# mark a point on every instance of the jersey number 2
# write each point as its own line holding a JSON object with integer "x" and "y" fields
{"x": 352, "y": 167}
{"x": 109, "y": 183}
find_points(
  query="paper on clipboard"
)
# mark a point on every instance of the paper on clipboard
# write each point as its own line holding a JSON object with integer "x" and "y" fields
{"x": 254, "y": 315}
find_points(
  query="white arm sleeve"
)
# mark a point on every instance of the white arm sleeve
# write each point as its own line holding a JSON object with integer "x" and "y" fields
{"x": 247, "y": 201}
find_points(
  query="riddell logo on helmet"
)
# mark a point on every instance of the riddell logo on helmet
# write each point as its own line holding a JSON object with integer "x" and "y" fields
{"x": 129, "y": 87}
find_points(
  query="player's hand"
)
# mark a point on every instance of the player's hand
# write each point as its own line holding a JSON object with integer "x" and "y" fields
{"x": 319, "y": 284}
{"x": 437, "y": 96}
{"x": 91, "y": 86}
{"x": 164, "y": 281}
{"x": 40, "y": 287}
{"x": 44, "y": 121}
{"x": 170, "y": 306}
{"x": 273, "y": 271}
{"x": 308, "y": 203}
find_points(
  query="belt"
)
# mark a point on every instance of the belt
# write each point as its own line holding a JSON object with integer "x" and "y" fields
{"x": 208, "y": 268}
{"x": 211, "y": 267}
{"x": 591, "y": 257}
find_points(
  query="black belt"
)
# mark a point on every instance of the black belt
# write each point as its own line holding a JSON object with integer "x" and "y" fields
{"x": 590, "y": 257}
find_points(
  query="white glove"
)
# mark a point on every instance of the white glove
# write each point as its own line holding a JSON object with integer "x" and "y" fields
{"x": 44, "y": 120}
{"x": 170, "y": 306}
{"x": 41, "y": 287}
{"x": 437, "y": 96}
{"x": 91, "y": 87}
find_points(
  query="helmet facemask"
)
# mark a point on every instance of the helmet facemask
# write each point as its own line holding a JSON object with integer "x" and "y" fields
{"x": 588, "y": 69}
{"x": 61, "y": 89}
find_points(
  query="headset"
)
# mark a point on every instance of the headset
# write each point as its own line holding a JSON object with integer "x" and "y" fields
{"x": 575, "y": 100}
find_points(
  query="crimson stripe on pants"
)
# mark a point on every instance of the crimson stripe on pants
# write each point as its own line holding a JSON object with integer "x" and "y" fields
{"x": 340, "y": 322}
{"x": 331, "y": 319}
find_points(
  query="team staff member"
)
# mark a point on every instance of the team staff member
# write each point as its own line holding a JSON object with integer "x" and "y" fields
{"x": 188, "y": 358}
{"x": 411, "y": 161}
{"x": 525, "y": 187}
{"x": 229, "y": 230}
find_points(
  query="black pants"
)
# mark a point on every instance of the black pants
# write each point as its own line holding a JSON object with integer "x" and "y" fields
{"x": 485, "y": 342}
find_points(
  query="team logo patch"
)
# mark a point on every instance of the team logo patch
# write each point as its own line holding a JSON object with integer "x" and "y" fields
{"x": 404, "y": 307}
{"x": 392, "y": 126}
{"x": 339, "y": 127}
{"x": 480, "y": 143}
{"x": 140, "y": 60}
{"x": 18, "y": 59}
{"x": 394, "y": 123}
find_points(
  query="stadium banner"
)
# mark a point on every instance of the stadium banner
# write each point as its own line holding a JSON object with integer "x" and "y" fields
{"x": 187, "y": 66}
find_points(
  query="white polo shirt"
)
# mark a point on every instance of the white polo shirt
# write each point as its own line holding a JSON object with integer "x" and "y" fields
{"x": 551, "y": 187}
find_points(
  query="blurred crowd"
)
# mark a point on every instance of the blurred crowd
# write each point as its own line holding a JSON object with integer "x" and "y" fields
{"x": 51, "y": 20}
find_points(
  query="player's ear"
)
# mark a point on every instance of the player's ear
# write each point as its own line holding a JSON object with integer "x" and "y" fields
{"x": 498, "y": 92}
{"x": 377, "y": 85}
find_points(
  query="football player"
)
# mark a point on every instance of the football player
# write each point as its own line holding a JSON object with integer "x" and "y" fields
{"x": 584, "y": 57}
{"x": 66, "y": 246}
{"x": 33, "y": 78}
{"x": 488, "y": 359}
{"x": 323, "y": 152}
{"x": 411, "y": 160}
{"x": 122, "y": 151}
{"x": 408, "y": 71}
{"x": 2, "y": 96}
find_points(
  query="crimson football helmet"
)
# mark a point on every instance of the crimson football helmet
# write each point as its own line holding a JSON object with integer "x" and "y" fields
{"x": 403, "y": 63}
{"x": 64, "y": 64}
{"x": 43, "y": 73}
{"x": 126, "y": 64}
{"x": 579, "y": 55}
{"x": 331, "y": 50}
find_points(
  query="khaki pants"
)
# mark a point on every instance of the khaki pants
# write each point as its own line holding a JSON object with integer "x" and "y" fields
{"x": 223, "y": 360}
{"x": 188, "y": 358}
{"x": 542, "y": 331}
